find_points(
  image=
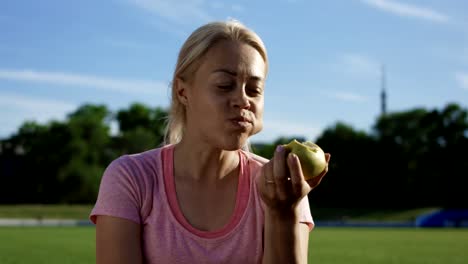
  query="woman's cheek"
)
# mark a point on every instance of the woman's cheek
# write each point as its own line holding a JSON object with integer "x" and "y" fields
{"x": 258, "y": 125}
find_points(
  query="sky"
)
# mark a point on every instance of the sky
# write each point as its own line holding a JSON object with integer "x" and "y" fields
{"x": 325, "y": 57}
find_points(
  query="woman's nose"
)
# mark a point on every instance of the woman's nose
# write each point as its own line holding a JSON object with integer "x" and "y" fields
{"x": 241, "y": 100}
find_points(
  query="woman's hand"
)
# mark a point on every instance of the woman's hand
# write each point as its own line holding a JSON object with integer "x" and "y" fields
{"x": 282, "y": 184}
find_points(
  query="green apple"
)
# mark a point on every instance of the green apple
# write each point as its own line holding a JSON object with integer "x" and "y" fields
{"x": 310, "y": 155}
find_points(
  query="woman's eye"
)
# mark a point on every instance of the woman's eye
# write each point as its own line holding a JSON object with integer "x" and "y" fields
{"x": 254, "y": 91}
{"x": 225, "y": 86}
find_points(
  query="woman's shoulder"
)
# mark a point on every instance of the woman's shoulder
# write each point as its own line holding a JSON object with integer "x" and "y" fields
{"x": 139, "y": 158}
{"x": 128, "y": 185}
{"x": 138, "y": 163}
{"x": 254, "y": 158}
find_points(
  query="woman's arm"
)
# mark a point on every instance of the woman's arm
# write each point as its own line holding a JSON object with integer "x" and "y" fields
{"x": 286, "y": 240}
{"x": 118, "y": 241}
{"x": 282, "y": 186}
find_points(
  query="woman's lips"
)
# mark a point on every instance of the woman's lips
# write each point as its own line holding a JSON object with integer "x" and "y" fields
{"x": 241, "y": 122}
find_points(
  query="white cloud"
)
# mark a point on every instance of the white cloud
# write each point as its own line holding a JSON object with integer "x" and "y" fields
{"x": 359, "y": 64}
{"x": 17, "y": 108}
{"x": 177, "y": 15}
{"x": 408, "y": 10}
{"x": 346, "y": 96}
{"x": 179, "y": 11}
{"x": 33, "y": 104}
{"x": 462, "y": 79}
{"x": 71, "y": 79}
{"x": 274, "y": 128}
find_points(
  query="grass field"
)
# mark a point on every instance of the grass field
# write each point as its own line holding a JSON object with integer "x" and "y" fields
{"x": 53, "y": 245}
{"x": 388, "y": 246}
{"x": 47, "y": 245}
{"x": 82, "y": 212}
{"x": 45, "y": 211}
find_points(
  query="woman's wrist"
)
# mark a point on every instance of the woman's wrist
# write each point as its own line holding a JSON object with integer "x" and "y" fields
{"x": 282, "y": 243}
{"x": 287, "y": 215}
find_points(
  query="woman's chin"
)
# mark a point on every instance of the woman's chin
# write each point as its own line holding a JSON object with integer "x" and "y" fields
{"x": 232, "y": 147}
{"x": 234, "y": 143}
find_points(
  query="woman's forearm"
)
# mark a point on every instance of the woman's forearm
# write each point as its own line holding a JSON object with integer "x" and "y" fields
{"x": 282, "y": 239}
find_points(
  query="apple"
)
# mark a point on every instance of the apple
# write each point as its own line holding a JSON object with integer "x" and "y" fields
{"x": 310, "y": 155}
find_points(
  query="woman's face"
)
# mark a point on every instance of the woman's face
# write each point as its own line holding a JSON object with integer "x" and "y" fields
{"x": 224, "y": 99}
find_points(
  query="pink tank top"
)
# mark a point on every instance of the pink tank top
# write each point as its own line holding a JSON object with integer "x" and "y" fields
{"x": 140, "y": 187}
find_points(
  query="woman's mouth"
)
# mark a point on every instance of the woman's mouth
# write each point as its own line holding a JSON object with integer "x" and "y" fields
{"x": 241, "y": 122}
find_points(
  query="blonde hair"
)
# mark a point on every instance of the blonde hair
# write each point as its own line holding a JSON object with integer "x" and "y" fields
{"x": 189, "y": 59}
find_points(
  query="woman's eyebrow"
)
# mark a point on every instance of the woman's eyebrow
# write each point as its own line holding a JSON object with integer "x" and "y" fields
{"x": 234, "y": 73}
{"x": 230, "y": 72}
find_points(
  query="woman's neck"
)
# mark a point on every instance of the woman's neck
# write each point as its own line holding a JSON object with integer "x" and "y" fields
{"x": 203, "y": 162}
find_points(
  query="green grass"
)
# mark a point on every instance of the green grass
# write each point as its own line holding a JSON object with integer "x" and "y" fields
{"x": 45, "y": 211}
{"x": 54, "y": 245}
{"x": 47, "y": 245}
{"x": 395, "y": 215}
{"x": 82, "y": 212}
{"x": 388, "y": 246}
{"x": 369, "y": 214}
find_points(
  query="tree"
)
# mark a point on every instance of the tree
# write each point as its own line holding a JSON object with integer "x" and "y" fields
{"x": 89, "y": 146}
{"x": 140, "y": 128}
{"x": 351, "y": 180}
{"x": 411, "y": 158}
{"x": 22, "y": 155}
{"x": 420, "y": 146}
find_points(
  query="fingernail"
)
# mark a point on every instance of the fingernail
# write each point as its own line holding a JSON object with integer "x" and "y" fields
{"x": 295, "y": 157}
{"x": 279, "y": 148}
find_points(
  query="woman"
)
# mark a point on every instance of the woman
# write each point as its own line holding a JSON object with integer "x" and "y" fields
{"x": 203, "y": 198}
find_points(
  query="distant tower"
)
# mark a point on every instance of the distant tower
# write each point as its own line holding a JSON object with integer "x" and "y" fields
{"x": 383, "y": 95}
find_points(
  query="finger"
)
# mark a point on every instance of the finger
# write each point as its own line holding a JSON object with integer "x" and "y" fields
{"x": 314, "y": 182}
{"x": 280, "y": 173}
{"x": 297, "y": 177}
{"x": 268, "y": 178}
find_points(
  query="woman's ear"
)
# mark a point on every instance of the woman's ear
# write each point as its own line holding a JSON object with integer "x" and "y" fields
{"x": 181, "y": 90}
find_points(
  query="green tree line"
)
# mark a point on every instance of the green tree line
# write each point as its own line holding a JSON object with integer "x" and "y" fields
{"x": 409, "y": 159}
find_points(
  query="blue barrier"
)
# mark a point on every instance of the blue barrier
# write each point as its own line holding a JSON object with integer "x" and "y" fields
{"x": 444, "y": 218}
{"x": 364, "y": 224}
{"x": 450, "y": 218}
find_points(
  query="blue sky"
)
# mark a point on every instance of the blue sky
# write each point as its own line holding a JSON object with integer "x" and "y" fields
{"x": 325, "y": 56}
